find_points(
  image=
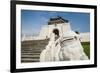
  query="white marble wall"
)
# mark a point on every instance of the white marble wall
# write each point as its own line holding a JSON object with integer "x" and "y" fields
{"x": 48, "y": 29}
{"x": 85, "y": 37}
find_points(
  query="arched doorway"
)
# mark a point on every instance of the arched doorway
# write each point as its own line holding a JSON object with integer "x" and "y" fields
{"x": 56, "y": 32}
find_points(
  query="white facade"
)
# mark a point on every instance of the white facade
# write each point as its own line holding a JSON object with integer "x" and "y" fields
{"x": 48, "y": 29}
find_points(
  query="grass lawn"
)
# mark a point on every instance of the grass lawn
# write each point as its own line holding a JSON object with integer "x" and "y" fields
{"x": 86, "y": 46}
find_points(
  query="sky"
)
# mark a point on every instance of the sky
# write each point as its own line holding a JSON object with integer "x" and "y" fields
{"x": 32, "y": 20}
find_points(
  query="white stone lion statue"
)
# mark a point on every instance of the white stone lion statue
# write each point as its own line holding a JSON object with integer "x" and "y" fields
{"x": 65, "y": 48}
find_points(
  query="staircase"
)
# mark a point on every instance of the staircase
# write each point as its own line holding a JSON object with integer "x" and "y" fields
{"x": 30, "y": 50}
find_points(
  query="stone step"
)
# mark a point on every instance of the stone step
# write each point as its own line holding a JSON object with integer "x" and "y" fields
{"x": 30, "y": 53}
{"x": 31, "y": 50}
{"x": 23, "y": 61}
{"x": 30, "y": 56}
{"x": 29, "y": 60}
{"x": 37, "y": 47}
{"x": 26, "y": 50}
